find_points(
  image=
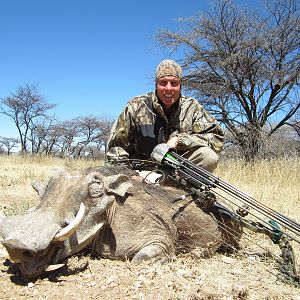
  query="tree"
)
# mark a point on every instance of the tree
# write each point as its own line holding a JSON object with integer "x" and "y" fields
{"x": 9, "y": 143}
{"x": 82, "y": 136}
{"x": 25, "y": 107}
{"x": 79, "y": 137}
{"x": 284, "y": 143}
{"x": 2, "y": 150}
{"x": 243, "y": 65}
{"x": 92, "y": 133}
{"x": 66, "y": 132}
{"x": 42, "y": 135}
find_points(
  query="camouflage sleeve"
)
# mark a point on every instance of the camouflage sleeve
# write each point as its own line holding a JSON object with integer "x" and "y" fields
{"x": 119, "y": 138}
{"x": 205, "y": 131}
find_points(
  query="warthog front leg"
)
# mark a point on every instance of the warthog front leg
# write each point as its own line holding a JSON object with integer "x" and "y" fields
{"x": 154, "y": 252}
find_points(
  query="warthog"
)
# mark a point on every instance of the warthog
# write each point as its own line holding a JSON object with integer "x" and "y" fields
{"x": 107, "y": 210}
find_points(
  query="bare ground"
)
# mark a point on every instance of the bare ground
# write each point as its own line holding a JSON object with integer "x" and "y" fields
{"x": 187, "y": 277}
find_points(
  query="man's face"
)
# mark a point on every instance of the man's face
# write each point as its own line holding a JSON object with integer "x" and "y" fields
{"x": 168, "y": 90}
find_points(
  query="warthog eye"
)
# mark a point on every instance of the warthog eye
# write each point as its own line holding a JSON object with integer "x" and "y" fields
{"x": 27, "y": 254}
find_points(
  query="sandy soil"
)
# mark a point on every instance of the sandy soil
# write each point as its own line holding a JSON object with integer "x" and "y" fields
{"x": 186, "y": 277}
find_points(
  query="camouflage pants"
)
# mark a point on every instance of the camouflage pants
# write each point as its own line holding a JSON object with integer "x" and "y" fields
{"x": 204, "y": 157}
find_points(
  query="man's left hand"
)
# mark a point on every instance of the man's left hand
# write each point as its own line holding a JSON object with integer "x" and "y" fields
{"x": 172, "y": 142}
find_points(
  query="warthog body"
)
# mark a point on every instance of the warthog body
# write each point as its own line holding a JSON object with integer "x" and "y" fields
{"x": 119, "y": 218}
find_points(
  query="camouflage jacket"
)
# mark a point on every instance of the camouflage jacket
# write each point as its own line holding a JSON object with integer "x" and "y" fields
{"x": 143, "y": 124}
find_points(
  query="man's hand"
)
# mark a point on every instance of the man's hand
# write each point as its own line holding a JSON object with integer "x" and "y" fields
{"x": 172, "y": 142}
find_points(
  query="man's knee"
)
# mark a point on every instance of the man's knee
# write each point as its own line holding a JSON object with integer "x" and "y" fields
{"x": 204, "y": 157}
{"x": 210, "y": 159}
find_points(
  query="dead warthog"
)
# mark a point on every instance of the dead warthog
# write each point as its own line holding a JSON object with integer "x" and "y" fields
{"x": 107, "y": 210}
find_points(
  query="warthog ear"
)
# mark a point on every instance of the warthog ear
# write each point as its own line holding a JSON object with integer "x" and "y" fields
{"x": 117, "y": 184}
{"x": 38, "y": 187}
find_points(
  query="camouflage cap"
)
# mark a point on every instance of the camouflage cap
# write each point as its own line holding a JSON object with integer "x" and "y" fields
{"x": 168, "y": 67}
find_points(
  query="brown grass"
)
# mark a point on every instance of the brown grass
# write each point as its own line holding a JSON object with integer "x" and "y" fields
{"x": 273, "y": 182}
{"x": 17, "y": 173}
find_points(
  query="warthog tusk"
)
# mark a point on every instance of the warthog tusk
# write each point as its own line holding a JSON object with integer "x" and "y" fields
{"x": 50, "y": 268}
{"x": 87, "y": 239}
{"x": 68, "y": 231}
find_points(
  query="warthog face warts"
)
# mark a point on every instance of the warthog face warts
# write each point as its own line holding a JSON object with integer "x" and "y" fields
{"x": 70, "y": 213}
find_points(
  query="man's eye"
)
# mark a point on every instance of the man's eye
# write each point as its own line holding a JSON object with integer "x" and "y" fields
{"x": 163, "y": 83}
{"x": 174, "y": 83}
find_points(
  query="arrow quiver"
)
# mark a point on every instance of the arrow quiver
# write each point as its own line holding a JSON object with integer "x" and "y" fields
{"x": 198, "y": 181}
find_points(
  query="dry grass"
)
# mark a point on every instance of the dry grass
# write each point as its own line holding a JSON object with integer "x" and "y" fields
{"x": 275, "y": 183}
{"x": 17, "y": 173}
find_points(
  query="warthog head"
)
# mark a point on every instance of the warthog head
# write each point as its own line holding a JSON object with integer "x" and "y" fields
{"x": 72, "y": 209}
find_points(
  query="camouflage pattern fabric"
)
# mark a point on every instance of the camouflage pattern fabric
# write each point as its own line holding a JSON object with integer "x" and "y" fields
{"x": 168, "y": 67}
{"x": 143, "y": 124}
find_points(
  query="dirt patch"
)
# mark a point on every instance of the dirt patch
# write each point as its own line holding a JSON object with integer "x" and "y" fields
{"x": 186, "y": 277}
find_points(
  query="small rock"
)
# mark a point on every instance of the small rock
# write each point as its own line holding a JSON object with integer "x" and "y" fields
{"x": 252, "y": 258}
{"x": 141, "y": 278}
{"x": 228, "y": 260}
{"x": 112, "y": 281}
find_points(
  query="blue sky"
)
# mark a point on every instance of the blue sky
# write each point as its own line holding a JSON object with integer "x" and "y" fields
{"x": 88, "y": 57}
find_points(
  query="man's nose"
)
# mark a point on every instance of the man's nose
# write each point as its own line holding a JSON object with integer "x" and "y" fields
{"x": 169, "y": 85}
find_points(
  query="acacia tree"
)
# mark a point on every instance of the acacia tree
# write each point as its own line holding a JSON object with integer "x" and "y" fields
{"x": 92, "y": 133}
{"x": 243, "y": 66}
{"x": 25, "y": 107}
{"x": 9, "y": 143}
{"x": 79, "y": 137}
{"x": 82, "y": 136}
{"x": 42, "y": 135}
{"x": 66, "y": 132}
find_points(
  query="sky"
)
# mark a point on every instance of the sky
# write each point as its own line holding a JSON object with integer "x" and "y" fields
{"x": 88, "y": 57}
